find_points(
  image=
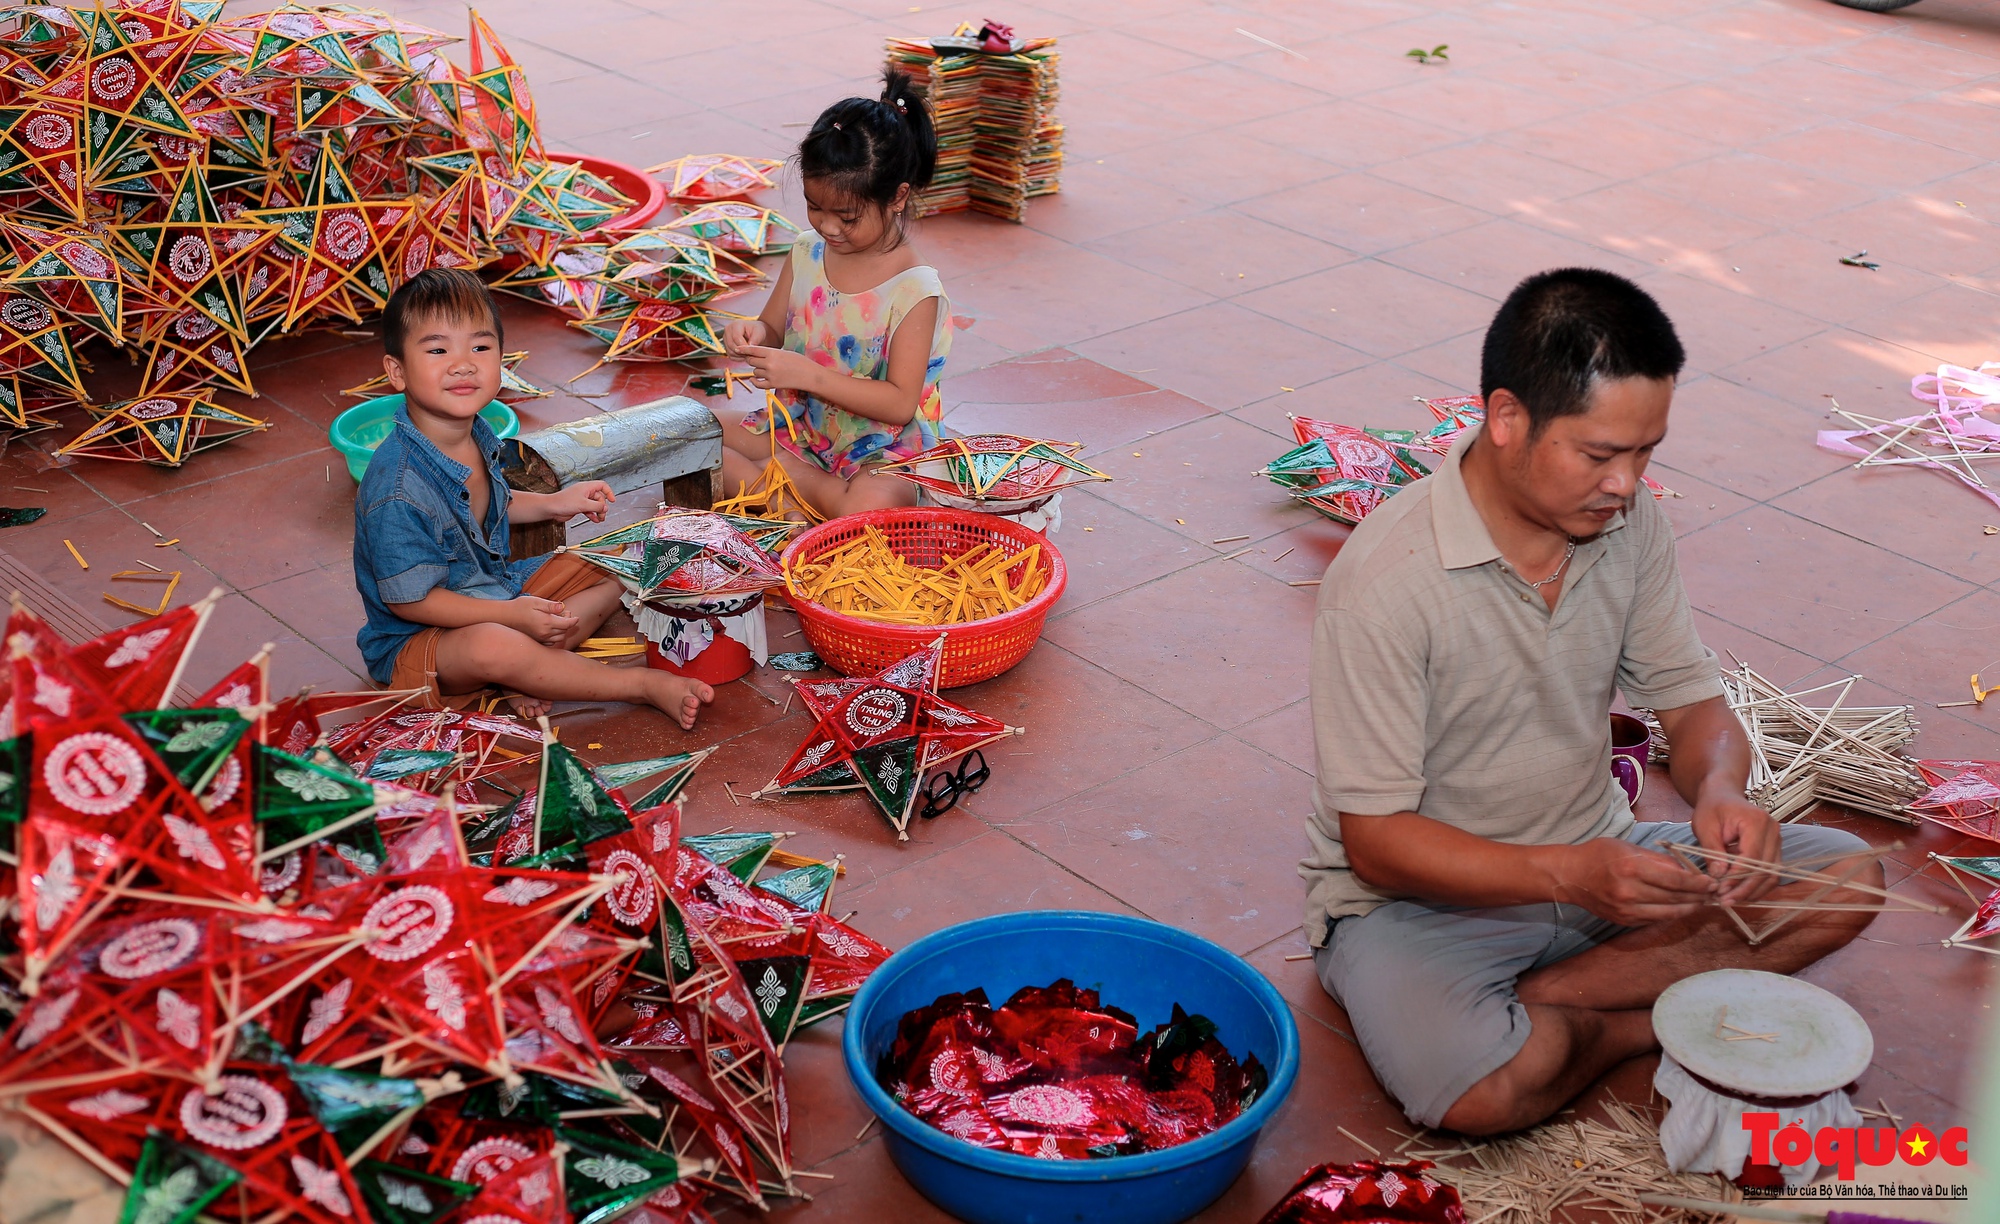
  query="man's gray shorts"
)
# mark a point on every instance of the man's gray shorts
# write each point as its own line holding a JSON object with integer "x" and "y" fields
{"x": 1430, "y": 988}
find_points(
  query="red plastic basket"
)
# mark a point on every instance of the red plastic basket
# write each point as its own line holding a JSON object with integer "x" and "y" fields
{"x": 973, "y": 651}
{"x": 647, "y": 193}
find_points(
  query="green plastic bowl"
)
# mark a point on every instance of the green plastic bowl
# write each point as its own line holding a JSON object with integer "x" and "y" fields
{"x": 358, "y": 431}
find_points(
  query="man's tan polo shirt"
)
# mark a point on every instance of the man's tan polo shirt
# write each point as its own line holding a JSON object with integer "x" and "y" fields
{"x": 1443, "y": 684}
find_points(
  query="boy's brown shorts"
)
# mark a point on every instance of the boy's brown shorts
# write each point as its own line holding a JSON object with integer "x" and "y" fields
{"x": 565, "y": 576}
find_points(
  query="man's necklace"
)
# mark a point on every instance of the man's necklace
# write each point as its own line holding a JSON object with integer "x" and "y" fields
{"x": 1568, "y": 552}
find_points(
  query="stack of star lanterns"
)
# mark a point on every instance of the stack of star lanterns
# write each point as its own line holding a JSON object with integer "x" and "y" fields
{"x": 695, "y": 584}
{"x": 188, "y": 185}
{"x": 334, "y": 958}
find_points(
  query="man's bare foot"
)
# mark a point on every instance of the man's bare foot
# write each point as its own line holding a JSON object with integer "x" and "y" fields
{"x": 678, "y": 697}
{"x": 528, "y": 707}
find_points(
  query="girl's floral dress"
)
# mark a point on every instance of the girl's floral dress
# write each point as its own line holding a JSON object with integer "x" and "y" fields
{"x": 850, "y": 332}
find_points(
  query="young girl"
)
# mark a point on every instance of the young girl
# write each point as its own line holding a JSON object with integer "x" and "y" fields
{"x": 857, "y": 328}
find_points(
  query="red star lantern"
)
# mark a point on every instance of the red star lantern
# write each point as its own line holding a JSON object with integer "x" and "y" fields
{"x": 656, "y": 331}
{"x": 26, "y": 404}
{"x": 72, "y": 271}
{"x": 138, "y": 666}
{"x": 42, "y": 145}
{"x": 194, "y": 260}
{"x": 163, "y": 430}
{"x": 289, "y": 41}
{"x": 501, "y": 104}
{"x": 124, "y": 83}
{"x": 34, "y": 342}
{"x": 494, "y": 191}
{"x": 393, "y": 746}
{"x": 340, "y": 241}
{"x": 736, "y": 226}
{"x": 251, "y": 1118}
{"x": 1964, "y": 795}
{"x": 882, "y": 733}
{"x": 716, "y": 176}
{"x": 461, "y": 960}
{"x": 441, "y": 234}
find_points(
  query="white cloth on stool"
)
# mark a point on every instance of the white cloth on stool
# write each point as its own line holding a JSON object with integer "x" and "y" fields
{"x": 682, "y": 639}
{"x": 1703, "y": 1131}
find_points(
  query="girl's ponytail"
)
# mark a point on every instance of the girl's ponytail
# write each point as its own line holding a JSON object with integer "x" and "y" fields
{"x": 920, "y": 154}
{"x": 870, "y": 147}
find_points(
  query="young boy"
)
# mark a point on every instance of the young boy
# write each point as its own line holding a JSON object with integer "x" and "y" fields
{"x": 447, "y": 611}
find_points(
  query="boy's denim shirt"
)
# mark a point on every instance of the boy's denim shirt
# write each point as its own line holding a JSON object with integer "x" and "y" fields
{"x": 413, "y": 533}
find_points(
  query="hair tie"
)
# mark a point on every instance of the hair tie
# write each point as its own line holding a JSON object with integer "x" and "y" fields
{"x": 901, "y": 106}
{"x": 836, "y": 127}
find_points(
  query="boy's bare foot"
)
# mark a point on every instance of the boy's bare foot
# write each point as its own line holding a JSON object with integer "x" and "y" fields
{"x": 527, "y": 707}
{"x": 678, "y": 697}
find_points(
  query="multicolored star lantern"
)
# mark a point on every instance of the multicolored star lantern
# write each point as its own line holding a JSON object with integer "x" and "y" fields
{"x": 716, "y": 176}
{"x": 691, "y": 556}
{"x": 280, "y": 969}
{"x": 1345, "y": 471}
{"x": 162, "y": 430}
{"x": 882, "y": 734}
{"x": 1964, "y": 795}
{"x": 190, "y": 185}
{"x": 995, "y": 473}
{"x": 736, "y": 226}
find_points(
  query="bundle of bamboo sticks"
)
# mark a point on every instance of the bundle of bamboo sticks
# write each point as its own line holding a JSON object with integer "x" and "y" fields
{"x": 1802, "y": 756}
{"x": 1570, "y": 1170}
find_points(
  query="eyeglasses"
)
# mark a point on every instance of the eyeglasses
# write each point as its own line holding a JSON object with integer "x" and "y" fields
{"x": 948, "y": 786}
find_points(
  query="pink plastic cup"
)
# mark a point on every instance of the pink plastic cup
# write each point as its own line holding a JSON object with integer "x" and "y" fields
{"x": 1631, "y": 747}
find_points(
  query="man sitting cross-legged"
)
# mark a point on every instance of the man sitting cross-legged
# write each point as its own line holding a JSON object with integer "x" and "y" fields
{"x": 1483, "y": 904}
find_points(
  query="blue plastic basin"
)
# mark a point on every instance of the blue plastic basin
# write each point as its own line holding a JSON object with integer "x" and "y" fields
{"x": 1140, "y": 966}
{"x": 358, "y": 431}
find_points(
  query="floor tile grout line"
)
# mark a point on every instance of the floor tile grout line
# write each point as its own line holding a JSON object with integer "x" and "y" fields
{"x": 1794, "y": 515}
{"x": 1302, "y": 388}
{"x": 1275, "y": 939}
{"x": 211, "y": 480}
{"x": 1220, "y": 733}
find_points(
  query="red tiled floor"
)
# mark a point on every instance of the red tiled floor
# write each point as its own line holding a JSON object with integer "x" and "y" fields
{"x": 1236, "y": 220}
{"x": 1353, "y": 134}
{"x": 1953, "y": 323}
{"x": 1921, "y": 229}
{"x": 1099, "y": 425}
{"x": 1064, "y": 700}
{"x": 1381, "y": 393}
{"x": 1155, "y": 840}
{"x": 1197, "y": 480}
{"x": 1222, "y": 354}
{"x": 1698, "y": 503}
{"x": 1373, "y": 306}
{"x": 1176, "y": 638}
{"x": 1362, "y": 213}
{"x": 1755, "y": 444}
{"x": 1049, "y": 377}
{"x": 1192, "y": 165}
{"x": 1493, "y": 177}
{"x": 1805, "y": 275}
{"x": 1802, "y": 584}
{"x": 1221, "y": 252}
{"x": 1607, "y": 142}
{"x": 1122, "y": 296}
{"x": 1927, "y": 516}
{"x": 1491, "y": 258}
